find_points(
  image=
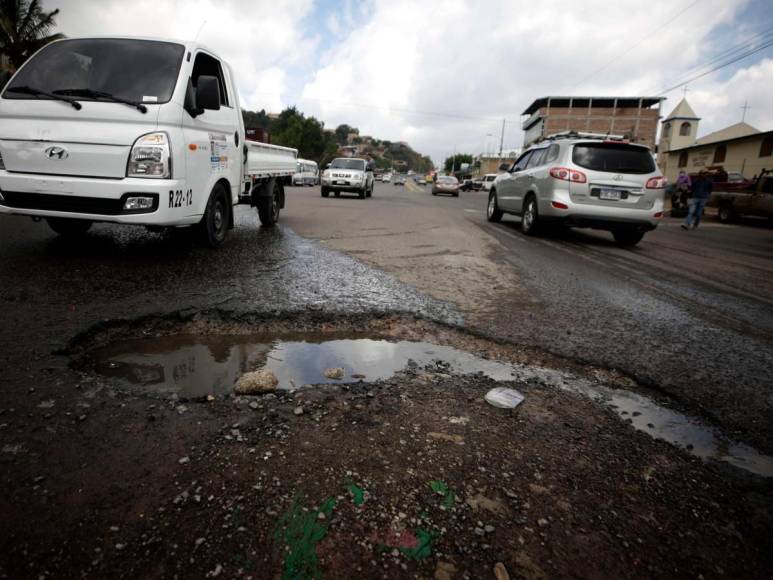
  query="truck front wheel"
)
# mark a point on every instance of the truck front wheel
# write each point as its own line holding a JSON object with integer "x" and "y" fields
{"x": 325, "y": 192}
{"x": 213, "y": 227}
{"x": 268, "y": 206}
{"x": 69, "y": 228}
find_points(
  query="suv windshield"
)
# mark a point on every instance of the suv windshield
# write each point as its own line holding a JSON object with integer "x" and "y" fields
{"x": 358, "y": 164}
{"x": 88, "y": 69}
{"x": 613, "y": 157}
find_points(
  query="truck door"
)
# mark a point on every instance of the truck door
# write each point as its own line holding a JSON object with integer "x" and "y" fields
{"x": 211, "y": 138}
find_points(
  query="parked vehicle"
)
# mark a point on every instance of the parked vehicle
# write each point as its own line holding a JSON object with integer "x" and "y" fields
{"x": 583, "y": 180}
{"x": 348, "y": 174}
{"x": 477, "y": 184}
{"x": 756, "y": 201}
{"x": 307, "y": 173}
{"x": 488, "y": 180}
{"x": 446, "y": 184}
{"x": 725, "y": 181}
{"x": 466, "y": 185}
{"x": 133, "y": 131}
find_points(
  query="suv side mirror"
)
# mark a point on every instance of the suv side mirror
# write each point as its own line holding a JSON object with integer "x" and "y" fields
{"x": 504, "y": 167}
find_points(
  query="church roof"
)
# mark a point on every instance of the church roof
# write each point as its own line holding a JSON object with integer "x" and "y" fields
{"x": 682, "y": 111}
{"x": 732, "y": 132}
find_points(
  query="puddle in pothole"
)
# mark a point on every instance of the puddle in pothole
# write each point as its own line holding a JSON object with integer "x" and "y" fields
{"x": 193, "y": 367}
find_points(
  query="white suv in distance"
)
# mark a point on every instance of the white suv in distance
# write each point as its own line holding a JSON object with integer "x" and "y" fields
{"x": 348, "y": 174}
{"x": 583, "y": 180}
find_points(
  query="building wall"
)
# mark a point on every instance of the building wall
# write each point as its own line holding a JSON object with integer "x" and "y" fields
{"x": 742, "y": 155}
{"x": 640, "y": 124}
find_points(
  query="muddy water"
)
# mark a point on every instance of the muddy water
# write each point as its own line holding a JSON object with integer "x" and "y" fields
{"x": 195, "y": 366}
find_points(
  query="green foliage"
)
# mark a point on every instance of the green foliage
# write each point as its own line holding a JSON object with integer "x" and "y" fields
{"x": 440, "y": 488}
{"x": 358, "y": 494}
{"x": 309, "y": 136}
{"x": 424, "y": 547}
{"x": 455, "y": 161}
{"x": 24, "y": 28}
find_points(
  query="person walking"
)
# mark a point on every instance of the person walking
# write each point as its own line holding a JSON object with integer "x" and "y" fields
{"x": 683, "y": 186}
{"x": 701, "y": 192}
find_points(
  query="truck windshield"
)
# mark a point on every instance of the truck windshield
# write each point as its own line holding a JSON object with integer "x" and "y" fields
{"x": 358, "y": 164}
{"x": 134, "y": 70}
{"x": 613, "y": 157}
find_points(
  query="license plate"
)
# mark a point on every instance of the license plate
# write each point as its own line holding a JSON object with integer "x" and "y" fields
{"x": 610, "y": 194}
{"x": 339, "y": 182}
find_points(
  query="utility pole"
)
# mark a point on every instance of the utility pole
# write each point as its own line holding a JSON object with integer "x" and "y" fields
{"x": 501, "y": 141}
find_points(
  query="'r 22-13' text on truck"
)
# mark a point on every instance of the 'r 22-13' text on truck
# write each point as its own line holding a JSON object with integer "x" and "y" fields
{"x": 133, "y": 131}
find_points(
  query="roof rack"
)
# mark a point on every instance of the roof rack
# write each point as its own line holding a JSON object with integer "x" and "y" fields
{"x": 584, "y": 135}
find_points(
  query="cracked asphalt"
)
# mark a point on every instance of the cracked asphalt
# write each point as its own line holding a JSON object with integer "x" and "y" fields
{"x": 100, "y": 482}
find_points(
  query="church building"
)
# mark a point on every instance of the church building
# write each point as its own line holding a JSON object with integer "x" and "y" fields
{"x": 738, "y": 148}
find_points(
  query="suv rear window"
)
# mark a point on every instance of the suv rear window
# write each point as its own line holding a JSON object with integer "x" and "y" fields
{"x": 613, "y": 157}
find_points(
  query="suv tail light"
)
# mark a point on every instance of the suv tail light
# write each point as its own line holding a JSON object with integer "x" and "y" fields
{"x": 566, "y": 174}
{"x": 656, "y": 183}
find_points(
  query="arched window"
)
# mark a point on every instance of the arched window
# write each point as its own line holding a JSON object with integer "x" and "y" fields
{"x": 684, "y": 129}
{"x": 766, "y": 149}
{"x": 667, "y": 131}
{"x": 683, "y": 159}
{"x": 719, "y": 154}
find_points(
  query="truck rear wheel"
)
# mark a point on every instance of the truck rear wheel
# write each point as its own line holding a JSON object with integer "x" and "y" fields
{"x": 213, "y": 227}
{"x": 726, "y": 212}
{"x": 268, "y": 206}
{"x": 69, "y": 228}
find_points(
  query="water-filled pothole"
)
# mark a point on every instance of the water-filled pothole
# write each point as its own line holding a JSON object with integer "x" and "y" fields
{"x": 194, "y": 366}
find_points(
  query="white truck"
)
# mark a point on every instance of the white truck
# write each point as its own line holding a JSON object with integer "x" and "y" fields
{"x": 133, "y": 131}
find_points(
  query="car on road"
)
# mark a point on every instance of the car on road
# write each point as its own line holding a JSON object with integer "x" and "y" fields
{"x": 755, "y": 201}
{"x": 466, "y": 185}
{"x": 582, "y": 180}
{"x": 477, "y": 184}
{"x": 307, "y": 173}
{"x": 386, "y": 178}
{"x": 399, "y": 180}
{"x": 446, "y": 184}
{"x": 348, "y": 174}
{"x": 488, "y": 181}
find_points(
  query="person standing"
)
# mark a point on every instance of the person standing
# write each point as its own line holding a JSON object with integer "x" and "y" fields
{"x": 683, "y": 186}
{"x": 701, "y": 192}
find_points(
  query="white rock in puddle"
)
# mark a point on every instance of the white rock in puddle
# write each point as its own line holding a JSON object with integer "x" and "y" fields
{"x": 334, "y": 373}
{"x": 504, "y": 398}
{"x": 256, "y": 382}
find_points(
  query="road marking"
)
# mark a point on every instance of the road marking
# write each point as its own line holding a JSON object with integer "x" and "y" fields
{"x": 473, "y": 210}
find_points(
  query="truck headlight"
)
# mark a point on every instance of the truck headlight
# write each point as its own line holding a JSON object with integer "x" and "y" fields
{"x": 149, "y": 157}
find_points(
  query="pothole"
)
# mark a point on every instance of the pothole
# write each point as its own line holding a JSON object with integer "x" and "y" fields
{"x": 197, "y": 365}
{"x": 193, "y": 367}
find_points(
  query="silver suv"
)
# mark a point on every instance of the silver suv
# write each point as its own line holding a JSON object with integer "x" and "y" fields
{"x": 583, "y": 180}
{"x": 348, "y": 174}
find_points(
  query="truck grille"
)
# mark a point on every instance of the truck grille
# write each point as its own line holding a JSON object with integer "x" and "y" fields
{"x": 64, "y": 203}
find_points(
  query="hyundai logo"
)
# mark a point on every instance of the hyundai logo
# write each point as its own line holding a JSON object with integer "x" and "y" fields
{"x": 56, "y": 153}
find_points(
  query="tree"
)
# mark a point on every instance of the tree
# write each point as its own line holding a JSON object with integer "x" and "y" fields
{"x": 342, "y": 133}
{"x": 455, "y": 161}
{"x": 24, "y": 28}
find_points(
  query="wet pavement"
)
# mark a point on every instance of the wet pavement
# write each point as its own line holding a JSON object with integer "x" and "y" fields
{"x": 620, "y": 409}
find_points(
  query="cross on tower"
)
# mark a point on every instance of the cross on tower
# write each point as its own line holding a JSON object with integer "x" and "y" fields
{"x": 745, "y": 108}
{"x": 684, "y": 91}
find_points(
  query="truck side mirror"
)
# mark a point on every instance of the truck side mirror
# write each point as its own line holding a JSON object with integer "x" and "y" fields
{"x": 190, "y": 101}
{"x": 208, "y": 93}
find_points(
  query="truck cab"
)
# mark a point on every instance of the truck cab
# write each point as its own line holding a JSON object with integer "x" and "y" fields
{"x": 124, "y": 130}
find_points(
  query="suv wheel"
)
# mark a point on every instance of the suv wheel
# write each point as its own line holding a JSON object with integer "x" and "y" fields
{"x": 69, "y": 228}
{"x": 627, "y": 237}
{"x": 493, "y": 213}
{"x": 530, "y": 217}
{"x": 325, "y": 192}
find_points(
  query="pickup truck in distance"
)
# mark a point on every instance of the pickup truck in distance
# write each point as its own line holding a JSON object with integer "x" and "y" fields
{"x": 133, "y": 131}
{"x": 756, "y": 201}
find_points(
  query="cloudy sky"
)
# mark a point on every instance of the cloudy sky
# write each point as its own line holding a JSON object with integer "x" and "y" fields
{"x": 443, "y": 75}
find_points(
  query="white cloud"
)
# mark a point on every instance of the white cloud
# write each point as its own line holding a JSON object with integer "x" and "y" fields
{"x": 259, "y": 38}
{"x": 383, "y": 65}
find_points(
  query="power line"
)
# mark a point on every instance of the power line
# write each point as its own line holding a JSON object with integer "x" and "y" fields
{"x": 718, "y": 67}
{"x": 622, "y": 54}
{"x": 751, "y": 42}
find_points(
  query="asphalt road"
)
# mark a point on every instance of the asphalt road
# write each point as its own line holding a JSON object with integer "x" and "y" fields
{"x": 687, "y": 313}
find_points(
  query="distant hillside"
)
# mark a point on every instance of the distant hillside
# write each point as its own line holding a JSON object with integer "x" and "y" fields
{"x": 292, "y": 128}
